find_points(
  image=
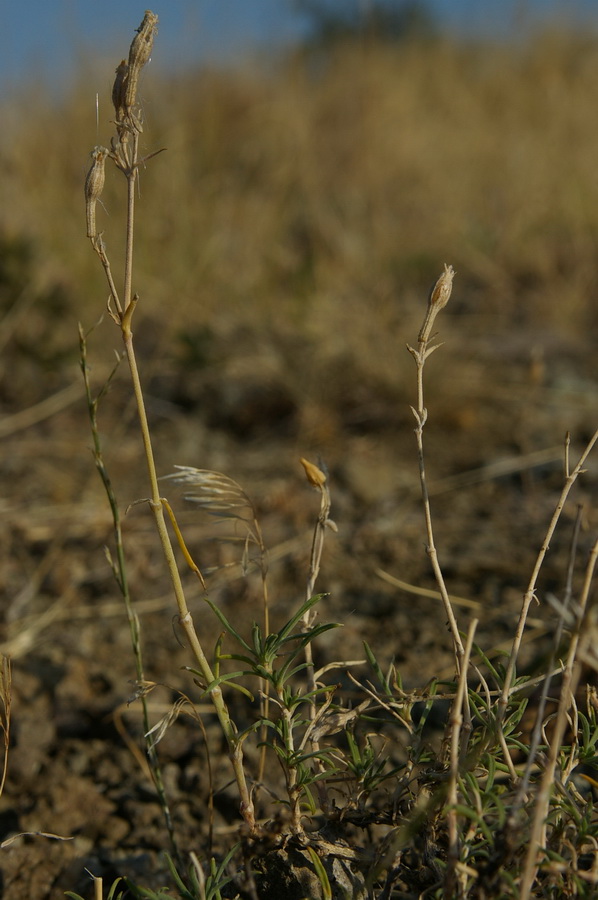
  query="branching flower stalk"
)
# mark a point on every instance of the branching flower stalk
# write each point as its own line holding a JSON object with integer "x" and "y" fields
{"x": 439, "y": 297}
{"x": 125, "y": 154}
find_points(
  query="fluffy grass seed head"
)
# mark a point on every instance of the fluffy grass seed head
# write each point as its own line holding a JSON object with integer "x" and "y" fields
{"x": 214, "y": 492}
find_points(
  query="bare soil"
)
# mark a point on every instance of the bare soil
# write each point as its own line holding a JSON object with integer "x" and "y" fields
{"x": 499, "y": 408}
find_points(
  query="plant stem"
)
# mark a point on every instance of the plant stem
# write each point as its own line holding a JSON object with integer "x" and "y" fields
{"x": 157, "y": 508}
{"x": 530, "y": 593}
{"x": 460, "y": 703}
{"x": 421, "y": 414}
{"x": 571, "y": 676}
{"x": 120, "y": 571}
{"x": 131, "y": 182}
{"x": 125, "y": 154}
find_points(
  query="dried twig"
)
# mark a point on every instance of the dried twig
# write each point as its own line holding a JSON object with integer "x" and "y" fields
{"x": 439, "y": 297}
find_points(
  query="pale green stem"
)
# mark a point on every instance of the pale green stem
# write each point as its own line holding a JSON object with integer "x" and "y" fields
{"x": 421, "y": 415}
{"x": 129, "y": 304}
{"x": 290, "y": 771}
{"x": 235, "y": 747}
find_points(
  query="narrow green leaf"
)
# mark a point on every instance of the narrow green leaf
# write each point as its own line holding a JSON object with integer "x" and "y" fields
{"x": 305, "y": 607}
{"x": 321, "y": 873}
{"x": 220, "y": 615}
{"x": 112, "y": 890}
{"x": 376, "y": 668}
{"x": 227, "y": 680}
{"x": 257, "y": 640}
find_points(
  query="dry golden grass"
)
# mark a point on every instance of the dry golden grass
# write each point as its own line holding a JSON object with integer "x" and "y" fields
{"x": 312, "y": 205}
{"x": 318, "y": 187}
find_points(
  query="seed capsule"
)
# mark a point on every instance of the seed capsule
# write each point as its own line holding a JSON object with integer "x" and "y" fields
{"x": 139, "y": 54}
{"x": 439, "y": 297}
{"x": 119, "y": 89}
{"x": 141, "y": 46}
{"x": 313, "y": 474}
{"x": 94, "y": 185}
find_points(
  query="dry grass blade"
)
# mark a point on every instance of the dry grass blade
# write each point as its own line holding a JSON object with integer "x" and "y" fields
{"x": 40, "y": 411}
{"x": 5, "y": 710}
{"x": 44, "y": 834}
{"x": 497, "y": 469}
{"x": 424, "y": 592}
{"x": 161, "y": 727}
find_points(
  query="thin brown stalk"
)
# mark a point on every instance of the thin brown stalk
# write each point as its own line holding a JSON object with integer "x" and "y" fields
{"x": 537, "y": 731}
{"x": 186, "y": 621}
{"x": 460, "y": 704}
{"x": 5, "y": 712}
{"x": 120, "y": 572}
{"x": 531, "y": 588}
{"x": 571, "y": 677}
{"x": 439, "y": 297}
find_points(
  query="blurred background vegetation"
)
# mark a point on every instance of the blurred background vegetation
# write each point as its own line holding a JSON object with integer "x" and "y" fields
{"x": 288, "y": 235}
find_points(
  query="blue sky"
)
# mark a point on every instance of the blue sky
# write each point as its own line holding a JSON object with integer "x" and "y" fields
{"x": 49, "y": 38}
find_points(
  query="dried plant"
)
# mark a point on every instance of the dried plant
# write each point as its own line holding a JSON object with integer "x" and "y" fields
{"x": 220, "y": 496}
{"x": 5, "y": 713}
{"x": 124, "y": 153}
{"x": 484, "y": 812}
{"x": 439, "y": 298}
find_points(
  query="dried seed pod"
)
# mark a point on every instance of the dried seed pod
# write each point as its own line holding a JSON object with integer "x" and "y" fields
{"x": 119, "y": 89}
{"x": 139, "y": 54}
{"x": 141, "y": 46}
{"x": 439, "y": 297}
{"x": 94, "y": 185}
{"x": 441, "y": 291}
{"x": 313, "y": 474}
